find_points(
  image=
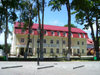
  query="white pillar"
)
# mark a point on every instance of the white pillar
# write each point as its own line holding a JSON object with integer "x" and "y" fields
{"x": 13, "y": 45}
{"x": 17, "y": 52}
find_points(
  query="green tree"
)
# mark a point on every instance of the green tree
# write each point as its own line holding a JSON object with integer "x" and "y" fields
{"x": 72, "y": 25}
{"x": 7, "y": 14}
{"x": 40, "y": 7}
{"x": 88, "y": 13}
{"x": 56, "y": 5}
{"x": 28, "y": 12}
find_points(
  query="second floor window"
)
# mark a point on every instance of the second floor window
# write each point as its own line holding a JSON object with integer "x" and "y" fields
{"x": 57, "y": 41}
{"x": 44, "y": 40}
{"x": 82, "y": 43}
{"x": 78, "y": 42}
{"x": 51, "y": 41}
{"x": 22, "y": 40}
{"x": 63, "y": 42}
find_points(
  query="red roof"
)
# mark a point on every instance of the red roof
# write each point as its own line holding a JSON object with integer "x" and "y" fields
{"x": 53, "y": 28}
{"x": 89, "y": 41}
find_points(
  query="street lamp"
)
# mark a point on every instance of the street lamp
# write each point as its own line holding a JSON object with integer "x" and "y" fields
{"x": 38, "y": 30}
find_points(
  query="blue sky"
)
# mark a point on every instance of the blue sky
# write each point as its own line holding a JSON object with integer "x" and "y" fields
{"x": 51, "y": 18}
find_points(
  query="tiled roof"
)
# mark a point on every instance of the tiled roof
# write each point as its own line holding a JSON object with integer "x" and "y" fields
{"x": 89, "y": 41}
{"x": 53, "y": 28}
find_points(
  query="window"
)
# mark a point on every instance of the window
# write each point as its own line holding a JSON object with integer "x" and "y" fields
{"x": 63, "y": 42}
{"x": 45, "y": 31}
{"x": 51, "y": 41}
{"x": 44, "y": 40}
{"x": 79, "y": 35}
{"x": 83, "y": 35}
{"x": 64, "y": 33}
{"x": 63, "y": 51}
{"x": 78, "y": 42}
{"x": 71, "y": 34}
{"x": 23, "y": 30}
{"x": 57, "y": 41}
{"x": 22, "y": 40}
{"x": 44, "y": 50}
{"x": 38, "y": 40}
{"x": 58, "y": 33}
{"x": 83, "y": 51}
{"x": 78, "y": 51}
{"x": 30, "y": 50}
{"x": 51, "y": 51}
{"x": 30, "y": 31}
{"x": 52, "y": 32}
{"x": 82, "y": 43}
{"x": 57, "y": 51}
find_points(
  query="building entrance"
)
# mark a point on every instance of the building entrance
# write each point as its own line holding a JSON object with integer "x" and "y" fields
{"x": 22, "y": 51}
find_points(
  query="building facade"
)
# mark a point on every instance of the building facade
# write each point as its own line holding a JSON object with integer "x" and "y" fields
{"x": 55, "y": 41}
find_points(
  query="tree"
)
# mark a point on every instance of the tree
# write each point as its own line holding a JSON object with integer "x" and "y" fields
{"x": 28, "y": 13}
{"x": 88, "y": 14}
{"x": 56, "y": 5}
{"x": 7, "y": 14}
{"x": 72, "y": 25}
{"x": 40, "y": 6}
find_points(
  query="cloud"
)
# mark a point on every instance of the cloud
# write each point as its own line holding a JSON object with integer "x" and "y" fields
{"x": 2, "y": 38}
{"x": 55, "y": 22}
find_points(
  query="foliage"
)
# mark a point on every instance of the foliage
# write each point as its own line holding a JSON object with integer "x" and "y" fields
{"x": 3, "y": 47}
{"x": 72, "y": 25}
{"x": 88, "y": 13}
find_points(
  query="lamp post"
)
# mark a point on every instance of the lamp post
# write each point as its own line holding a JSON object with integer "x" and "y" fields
{"x": 38, "y": 30}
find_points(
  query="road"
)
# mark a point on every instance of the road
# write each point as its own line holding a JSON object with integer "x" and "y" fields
{"x": 50, "y": 68}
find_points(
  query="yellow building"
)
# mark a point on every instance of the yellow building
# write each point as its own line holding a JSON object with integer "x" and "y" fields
{"x": 55, "y": 41}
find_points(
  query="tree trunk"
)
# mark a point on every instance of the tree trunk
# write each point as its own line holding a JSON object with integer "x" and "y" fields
{"x": 29, "y": 27}
{"x": 42, "y": 32}
{"x": 6, "y": 35}
{"x": 69, "y": 28}
{"x": 97, "y": 39}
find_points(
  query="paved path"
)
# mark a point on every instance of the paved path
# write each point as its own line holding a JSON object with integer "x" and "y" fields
{"x": 50, "y": 68}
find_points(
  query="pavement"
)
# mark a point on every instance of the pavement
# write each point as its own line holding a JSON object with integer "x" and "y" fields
{"x": 50, "y": 68}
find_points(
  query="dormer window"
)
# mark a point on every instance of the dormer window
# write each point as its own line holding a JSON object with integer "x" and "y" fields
{"x": 45, "y": 32}
{"x": 23, "y": 30}
{"x": 31, "y": 31}
{"x": 58, "y": 33}
{"x": 64, "y": 33}
{"x": 71, "y": 34}
{"x": 83, "y": 35}
{"x": 52, "y": 32}
{"x": 79, "y": 35}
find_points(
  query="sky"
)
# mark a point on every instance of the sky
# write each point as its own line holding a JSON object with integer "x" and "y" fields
{"x": 58, "y": 18}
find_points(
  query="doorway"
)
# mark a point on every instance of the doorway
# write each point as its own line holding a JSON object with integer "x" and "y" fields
{"x": 22, "y": 51}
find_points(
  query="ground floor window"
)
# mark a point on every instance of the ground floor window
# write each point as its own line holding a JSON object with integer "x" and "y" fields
{"x": 78, "y": 51}
{"x": 44, "y": 50}
{"x": 51, "y": 50}
{"x": 83, "y": 51}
